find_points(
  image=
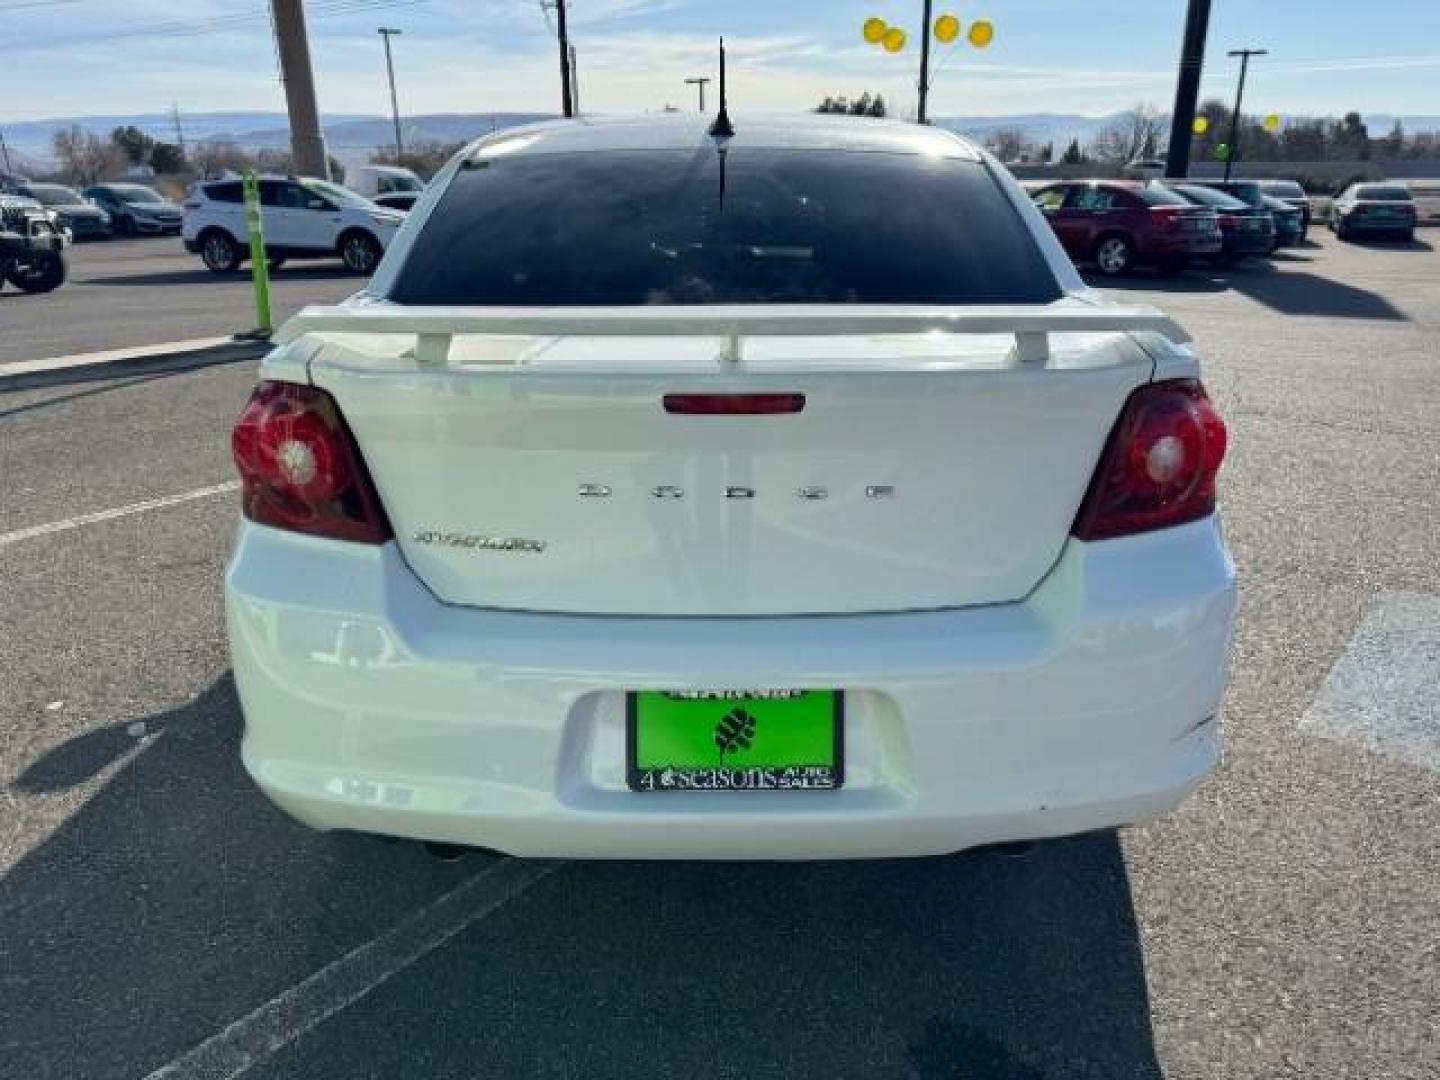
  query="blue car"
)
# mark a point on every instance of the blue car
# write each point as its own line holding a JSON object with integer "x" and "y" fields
{"x": 1289, "y": 222}
{"x": 1244, "y": 229}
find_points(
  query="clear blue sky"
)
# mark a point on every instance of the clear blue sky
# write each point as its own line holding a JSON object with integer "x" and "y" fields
{"x": 67, "y": 57}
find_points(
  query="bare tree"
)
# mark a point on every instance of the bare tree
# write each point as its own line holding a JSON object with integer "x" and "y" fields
{"x": 424, "y": 156}
{"x": 211, "y": 157}
{"x": 85, "y": 158}
{"x": 1007, "y": 143}
{"x": 1135, "y": 133}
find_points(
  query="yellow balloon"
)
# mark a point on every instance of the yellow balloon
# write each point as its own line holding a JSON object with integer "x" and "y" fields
{"x": 982, "y": 33}
{"x": 894, "y": 39}
{"x": 1201, "y": 125}
{"x": 947, "y": 28}
{"x": 875, "y": 30}
{"x": 1272, "y": 123}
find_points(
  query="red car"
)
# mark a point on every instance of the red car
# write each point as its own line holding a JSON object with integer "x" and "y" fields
{"x": 1118, "y": 225}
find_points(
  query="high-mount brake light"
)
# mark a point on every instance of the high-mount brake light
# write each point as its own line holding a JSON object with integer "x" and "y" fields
{"x": 733, "y": 404}
{"x": 1159, "y": 465}
{"x": 300, "y": 468}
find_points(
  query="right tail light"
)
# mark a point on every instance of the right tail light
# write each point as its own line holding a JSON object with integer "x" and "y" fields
{"x": 1159, "y": 465}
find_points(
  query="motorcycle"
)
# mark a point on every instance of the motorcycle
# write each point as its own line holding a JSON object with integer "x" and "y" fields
{"x": 32, "y": 246}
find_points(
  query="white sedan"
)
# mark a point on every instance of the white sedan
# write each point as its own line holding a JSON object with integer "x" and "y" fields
{"x": 784, "y": 495}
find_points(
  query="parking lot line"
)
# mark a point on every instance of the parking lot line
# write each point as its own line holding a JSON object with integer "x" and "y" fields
{"x": 147, "y": 505}
{"x": 284, "y": 1018}
{"x": 1383, "y": 694}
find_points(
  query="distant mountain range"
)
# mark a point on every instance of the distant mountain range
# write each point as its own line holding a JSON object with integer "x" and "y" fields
{"x": 351, "y": 137}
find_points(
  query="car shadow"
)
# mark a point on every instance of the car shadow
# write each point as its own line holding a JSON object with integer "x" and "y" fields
{"x": 176, "y": 899}
{"x": 201, "y": 276}
{"x": 1381, "y": 243}
{"x": 1300, "y": 292}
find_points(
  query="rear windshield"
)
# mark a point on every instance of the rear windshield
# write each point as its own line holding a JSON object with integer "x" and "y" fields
{"x": 1383, "y": 192}
{"x": 136, "y": 193}
{"x": 1283, "y": 189}
{"x": 54, "y": 195}
{"x": 1154, "y": 195}
{"x": 770, "y": 226}
{"x": 1210, "y": 197}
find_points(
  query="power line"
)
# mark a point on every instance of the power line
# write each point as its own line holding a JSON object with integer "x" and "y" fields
{"x": 180, "y": 28}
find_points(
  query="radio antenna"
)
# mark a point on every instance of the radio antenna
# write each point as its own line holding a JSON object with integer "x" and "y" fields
{"x": 722, "y": 128}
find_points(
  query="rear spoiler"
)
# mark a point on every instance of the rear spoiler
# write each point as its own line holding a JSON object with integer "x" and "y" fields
{"x": 434, "y": 328}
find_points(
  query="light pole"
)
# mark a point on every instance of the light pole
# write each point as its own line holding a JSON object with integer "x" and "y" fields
{"x": 1234, "y": 148}
{"x": 567, "y": 101}
{"x": 387, "y": 32}
{"x": 1187, "y": 89}
{"x": 699, "y": 83}
{"x": 924, "y": 63}
{"x": 574, "y": 81}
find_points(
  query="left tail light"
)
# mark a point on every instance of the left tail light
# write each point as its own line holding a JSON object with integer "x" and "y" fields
{"x": 300, "y": 469}
{"x": 1166, "y": 217}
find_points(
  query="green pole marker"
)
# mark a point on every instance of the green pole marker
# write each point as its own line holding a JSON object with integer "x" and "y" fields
{"x": 259, "y": 267}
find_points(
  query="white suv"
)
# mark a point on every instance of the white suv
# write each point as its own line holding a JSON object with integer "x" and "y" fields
{"x": 304, "y": 219}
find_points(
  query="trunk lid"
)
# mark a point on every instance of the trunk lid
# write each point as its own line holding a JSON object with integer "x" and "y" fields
{"x": 544, "y": 473}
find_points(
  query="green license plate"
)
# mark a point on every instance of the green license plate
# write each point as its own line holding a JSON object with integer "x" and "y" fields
{"x": 740, "y": 740}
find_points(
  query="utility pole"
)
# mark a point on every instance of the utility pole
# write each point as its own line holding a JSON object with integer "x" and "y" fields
{"x": 307, "y": 144}
{"x": 699, "y": 82}
{"x": 1233, "y": 151}
{"x": 567, "y": 102}
{"x": 924, "y": 61}
{"x": 1187, "y": 89}
{"x": 387, "y": 33}
{"x": 179, "y": 131}
{"x": 574, "y": 81}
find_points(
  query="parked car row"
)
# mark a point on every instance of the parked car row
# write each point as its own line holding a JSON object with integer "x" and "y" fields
{"x": 303, "y": 218}
{"x": 102, "y": 210}
{"x": 1117, "y": 225}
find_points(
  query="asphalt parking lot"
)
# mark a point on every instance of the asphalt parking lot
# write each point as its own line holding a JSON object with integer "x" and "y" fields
{"x": 148, "y": 291}
{"x": 161, "y": 919}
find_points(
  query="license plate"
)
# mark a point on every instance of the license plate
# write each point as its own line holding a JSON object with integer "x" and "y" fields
{"x": 1385, "y": 212}
{"x": 740, "y": 740}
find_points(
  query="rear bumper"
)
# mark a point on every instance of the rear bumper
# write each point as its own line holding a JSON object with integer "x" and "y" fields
{"x": 1248, "y": 243}
{"x": 89, "y": 228}
{"x": 156, "y": 228}
{"x": 1196, "y": 246}
{"x": 1289, "y": 235}
{"x": 369, "y": 705}
{"x": 1386, "y": 226}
